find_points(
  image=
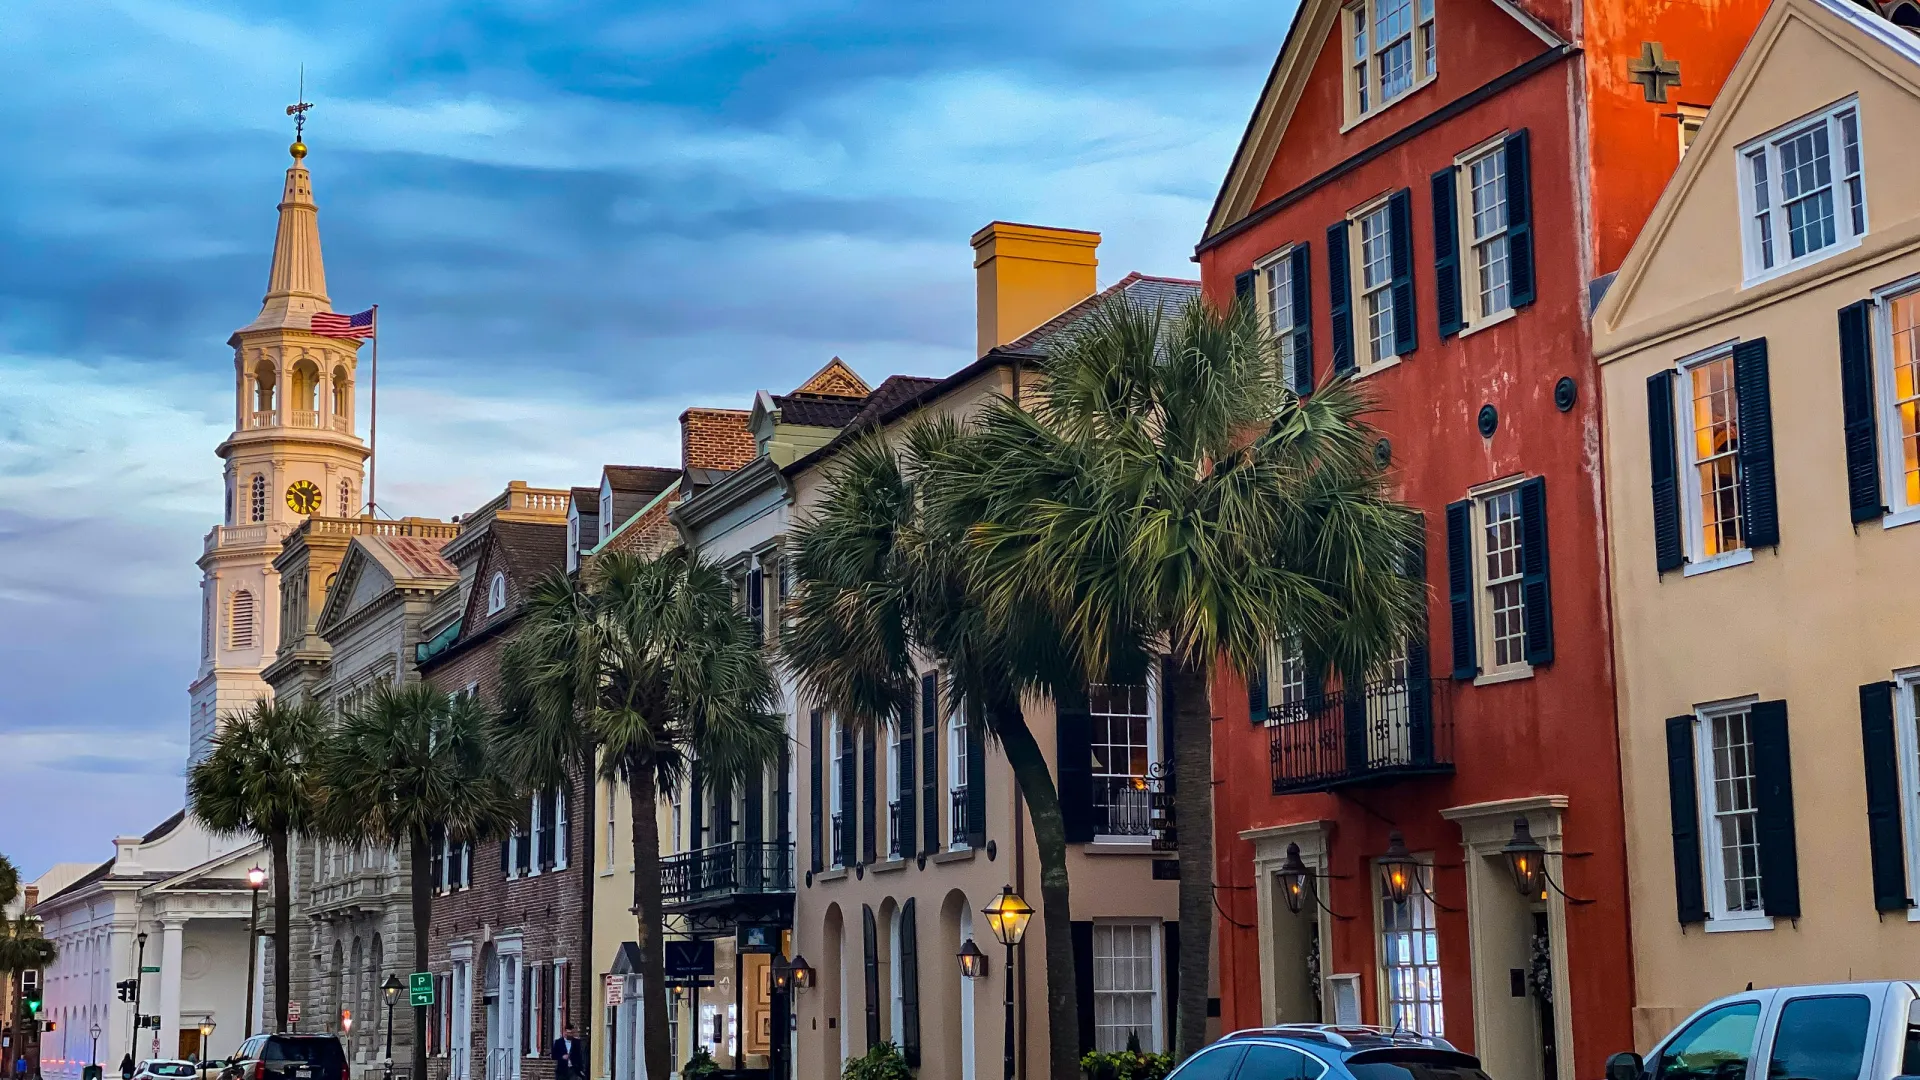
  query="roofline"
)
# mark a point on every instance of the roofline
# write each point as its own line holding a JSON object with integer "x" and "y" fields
{"x": 716, "y": 499}
{"x": 1246, "y": 135}
{"x": 998, "y": 356}
{"x": 635, "y": 516}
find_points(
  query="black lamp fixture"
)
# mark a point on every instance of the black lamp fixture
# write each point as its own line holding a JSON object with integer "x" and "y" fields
{"x": 801, "y": 974}
{"x": 1295, "y": 880}
{"x": 1399, "y": 870}
{"x": 973, "y": 962}
{"x": 391, "y": 987}
{"x": 1007, "y": 916}
{"x": 1526, "y": 860}
{"x": 780, "y": 975}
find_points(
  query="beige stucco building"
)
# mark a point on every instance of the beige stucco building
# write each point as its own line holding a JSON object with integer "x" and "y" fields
{"x": 1758, "y": 353}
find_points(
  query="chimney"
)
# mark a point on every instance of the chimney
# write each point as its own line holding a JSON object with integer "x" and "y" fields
{"x": 1027, "y": 274}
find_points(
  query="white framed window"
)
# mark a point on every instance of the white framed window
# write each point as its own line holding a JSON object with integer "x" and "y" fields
{"x": 573, "y": 538}
{"x": 895, "y": 826}
{"x": 613, "y": 820}
{"x": 837, "y": 769}
{"x": 1276, "y": 287}
{"x": 562, "y": 831}
{"x": 1803, "y": 192}
{"x": 1410, "y": 986}
{"x": 1390, "y": 53}
{"x": 1707, "y": 405}
{"x": 1729, "y": 816}
{"x": 1897, "y": 382}
{"x": 1126, "y": 985}
{"x": 1906, "y": 740}
{"x": 1125, "y": 745}
{"x": 956, "y": 777}
{"x": 606, "y": 508}
{"x": 679, "y": 825}
{"x": 1486, "y": 271}
{"x": 1502, "y": 623}
{"x": 497, "y": 592}
{"x": 1372, "y": 261}
{"x": 1692, "y": 118}
{"x": 1289, "y": 667}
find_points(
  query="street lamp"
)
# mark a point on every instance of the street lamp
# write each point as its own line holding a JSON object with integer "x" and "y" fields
{"x": 391, "y": 988}
{"x": 206, "y": 1035}
{"x": 1007, "y": 916}
{"x": 1526, "y": 860}
{"x": 93, "y": 1058}
{"x": 802, "y": 973}
{"x": 256, "y": 880}
{"x": 1399, "y": 870}
{"x": 140, "y": 961}
{"x": 1295, "y": 880}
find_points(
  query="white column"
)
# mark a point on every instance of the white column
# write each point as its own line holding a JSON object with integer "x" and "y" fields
{"x": 119, "y": 966}
{"x": 172, "y": 936}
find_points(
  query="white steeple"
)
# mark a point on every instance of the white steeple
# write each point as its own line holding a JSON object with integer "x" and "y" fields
{"x": 297, "y": 283}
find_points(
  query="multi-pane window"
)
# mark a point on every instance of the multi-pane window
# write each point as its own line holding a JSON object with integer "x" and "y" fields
{"x": 1360, "y": 59}
{"x": 346, "y": 499}
{"x": 1804, "y": 191}
{"x": 1429, "y": 55}
{"x": 1393, "y": 46}
{"x": 957, "y": 780}
{"x": 1486, "y": 219}
{"x": 1122, "y": 715}
{"x": 1376, "y": 282}
{"x": 1501, "y": 578}
{"x": 1289, "y": 669}
{"x": 838, "y": 768}
{"x": 1713, "y": 415}
{"x": 1390, "y": 52}
{"x": 1410, "y": 964}
{"x": 1281, "y": 318}
{"x": 1903, "y": 384}
{"x": 1125, "y": 985}
{"x": 1732, "y": 825}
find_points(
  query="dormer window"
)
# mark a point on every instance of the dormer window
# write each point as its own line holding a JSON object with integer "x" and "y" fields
{"x": 497, "y": 593}
{"x": 1803, "y": 192}
{"x": 1390, "y": 53}
{"x": 573, "y": 539}
{"x": 606, "y": 509}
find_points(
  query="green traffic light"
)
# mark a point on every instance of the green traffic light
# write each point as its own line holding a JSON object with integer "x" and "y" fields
{"x": 33, "y": 1003}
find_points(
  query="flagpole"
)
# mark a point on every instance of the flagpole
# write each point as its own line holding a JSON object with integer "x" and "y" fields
{"x": 373, "y": 421}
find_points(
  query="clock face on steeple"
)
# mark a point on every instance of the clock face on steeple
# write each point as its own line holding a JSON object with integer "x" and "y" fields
{"x": 303, "y": 497}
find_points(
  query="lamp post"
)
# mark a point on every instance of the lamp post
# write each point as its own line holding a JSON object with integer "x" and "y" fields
{"x": 206, "y": 1034}
{"x": 256, "y": 880}
{"x": 1007, "y": 916}
{"x": 93, "y": 1058}
{"x": 140, "y": 961}
{"x": 391, "y": 988}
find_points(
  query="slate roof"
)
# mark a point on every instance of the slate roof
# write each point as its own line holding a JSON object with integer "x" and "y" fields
{"x": 586, "y": 500}
{"x": 419, "y": 555}
{"x": 526, "y": 551}
{"x": 650, "y": 480}
{"x": 1140, "y": 290}
{"x": 813, "y": 410}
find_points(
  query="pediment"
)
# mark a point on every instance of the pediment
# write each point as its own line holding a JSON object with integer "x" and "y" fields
{"x": 836, "y": 379}
{"x": 361, "y": 581}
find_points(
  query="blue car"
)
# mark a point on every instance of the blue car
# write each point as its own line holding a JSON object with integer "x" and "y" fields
{"x": 1329, "y": 1052}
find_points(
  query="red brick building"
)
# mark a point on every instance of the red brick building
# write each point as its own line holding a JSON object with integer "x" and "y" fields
{"x": 1424, "y": 194}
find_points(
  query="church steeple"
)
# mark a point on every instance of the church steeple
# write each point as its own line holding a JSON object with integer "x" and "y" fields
{"x": 297, "y": 284}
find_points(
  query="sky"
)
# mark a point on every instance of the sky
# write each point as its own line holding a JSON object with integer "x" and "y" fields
{"x": 578, "y": 218}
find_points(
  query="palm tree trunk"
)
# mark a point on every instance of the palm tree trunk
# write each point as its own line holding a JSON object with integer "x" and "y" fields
{"x": 1193, "y": 821}
{"x": 1056, "y": 912}
{"x": 657, "y": 1052}
{"x": 282, "y": 926}
{"x": 419, "y": 862}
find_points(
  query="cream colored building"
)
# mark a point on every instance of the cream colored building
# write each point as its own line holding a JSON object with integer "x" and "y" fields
{"x": 903, "y": 839}
{"x": 1760, "y": 359}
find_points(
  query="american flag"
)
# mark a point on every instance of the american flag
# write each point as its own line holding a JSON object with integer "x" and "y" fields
{"x": 333, "y": 324}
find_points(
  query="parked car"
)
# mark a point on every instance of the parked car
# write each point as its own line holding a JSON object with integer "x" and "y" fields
{"x": 1837, "y": 1031}
{"x": 1329, "y": 1052}
{"x": 288, "y": 1056}
{"x": 165, "y": 1069}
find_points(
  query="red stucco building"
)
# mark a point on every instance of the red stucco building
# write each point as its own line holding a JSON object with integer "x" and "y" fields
{"x": 1424, "y": 199}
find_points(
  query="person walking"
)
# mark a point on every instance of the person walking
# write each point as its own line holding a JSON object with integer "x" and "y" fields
{"x": 567, "y": 1052}
{"x": 126, "y": 1066}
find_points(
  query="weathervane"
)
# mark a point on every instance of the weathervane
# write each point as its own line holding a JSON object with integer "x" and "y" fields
{"x": 298, "y": 110}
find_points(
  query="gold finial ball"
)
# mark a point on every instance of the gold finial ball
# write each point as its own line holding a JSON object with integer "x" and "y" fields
{"x": 298, "y": 150}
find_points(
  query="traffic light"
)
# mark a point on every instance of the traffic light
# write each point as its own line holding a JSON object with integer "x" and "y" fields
{"x": 50, "y": 1025}
{"x": 34, "y": 1000}
{"x": 125, "y": 986}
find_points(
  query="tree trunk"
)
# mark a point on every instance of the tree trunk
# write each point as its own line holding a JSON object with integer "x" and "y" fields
{"x": 419, "y": 860}
{"x": 657, "y": 1051}
{"x": 282, "y": 926}
{"x": 1056, "y": 912}
{"x": 1193, "y": 821}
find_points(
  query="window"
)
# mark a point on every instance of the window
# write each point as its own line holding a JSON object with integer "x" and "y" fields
{"x": 834, "y": 790}
{"x": 895, "y": 826}
{"x": 1410, "y": 963}
{"x": 1217, "y": 1062}
{"x": 560, "y": 1000}
{"x": 1718, "y": 1044}
{"x": 1484, "y": 214}
{"x": 573, "y": 538}
{"x": 1803, "y": 193}
{"x": 1692, "y": 118}
{"x": 1730, "y": 814}
{"x": 258, "y": 498}
{"x": 1898, "y": 379}
{"x": 1126, "y": 985}
{"x": 1123, "y": 738}
{"x": 606, "y": 509}
{"x": 1503, "y": 599}
{"x": 1820, "y": 1038}
{"x": 497, "y": 593}
{"x": 613, "y": 818}
{"x": 240, "y": 620}
{"x": 1270, "y": 1062}
{"x": 346, "y": 498}
{"x": 1376, "y": 282}
{"x": 1277, "y": 277}
{"x": 957, "y": 780}
{"x": 1390, "y": 53}
{"x": 1710, "y": 455}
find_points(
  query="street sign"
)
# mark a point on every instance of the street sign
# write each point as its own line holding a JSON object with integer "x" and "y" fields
{"x": 149, "y": 971}
{"x": 420, "y": 988}
{"x": 293, "y": 1012}
{"x": 616, "y": 990}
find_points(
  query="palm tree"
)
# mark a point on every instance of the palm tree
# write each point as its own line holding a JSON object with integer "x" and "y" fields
{"x": 647, "y": 665}
{"x": 22, "y": 948}
{"x": 407, "y": 767}
{"x": 879, "y": 577}
{"x": 1167, "y": 494}
{"x": 259, "y": 778}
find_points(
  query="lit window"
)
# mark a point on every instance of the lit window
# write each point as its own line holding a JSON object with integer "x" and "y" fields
{"x": 1503, "y": 595}
{"x": 1390, "y": 52}
{"x": 1900, "y": 377}
{"x": 1126, "y": 986}
{"x": 1804, "y": 193}
{"x": 497, "y": 593}
{"x": 1731, "y": 813}
{"x": 1410, "y": 963}
{"x": 1376, "y": 282}
{"x": 1713, "y": 457}
{"x": 1123, "y": 736}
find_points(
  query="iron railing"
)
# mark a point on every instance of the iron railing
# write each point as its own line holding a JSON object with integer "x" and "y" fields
{"x": 722, "y": 870}
{"x": 842, "y": 846}
{"x": 894, "y": 848}
{"x": 958, "y": 823}
{"x": 1123, "y": 805}
{"x": 1385, "y": 728}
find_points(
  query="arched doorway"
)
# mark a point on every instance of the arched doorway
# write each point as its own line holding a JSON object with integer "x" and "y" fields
{"x": 833, "y": 992}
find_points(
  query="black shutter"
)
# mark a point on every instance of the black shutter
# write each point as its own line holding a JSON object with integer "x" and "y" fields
{"x": 1302, "y": 274}
{"x": 523, "y": 850}
{"x": 1353, "y": 697}
{"x": 849, "y": 808}
{"x": 1858, "y": 399}
{"x": 757, "y": 601}
{"x": 1243, "y": 287}
{"x": 1536, "y": 588}
{"x": 506, "y": 857}
{"x": 1168, "y": 709}
{"x": 930, "y": 761}
{"x": 1257, "y": 691}
{"x": 1419, "y": 703}
{"x": 1663, "y": 455}
{"x": 1340, "y": 298}
{"x": 436, "y": 858}
{"x": 869, "y": 799}
{"x": 1884, "y": 832}
{"x": 782, "y": 795}
{"x": 1460, "y": 586}
{"x": 816, "y": 795}
{"x": 869, "y": 937}
{"x": 1758, "y": 507}
{"x": 1773, "y": 779}
{"x": 909, "y": 807}
{"x": 1446, "y": 253}
{"x": 976, "y": 786}
{"x": 1170, "y": 956}
{"x": 1520, "y": 285}
{"x": 1406, "y": 326}
{"x": 753, "y": 811}
{"x": 696, "y": 808}
{"x": 1073, "y": 764}
{"x": 549, "y": 827}
{"x": 1683, "y": 801}
{"x": 909, "y": 976}
{"x": 1083, "y": 978}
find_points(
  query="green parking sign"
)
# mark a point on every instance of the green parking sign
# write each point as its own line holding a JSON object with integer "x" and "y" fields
{"x": 420, "y": 988}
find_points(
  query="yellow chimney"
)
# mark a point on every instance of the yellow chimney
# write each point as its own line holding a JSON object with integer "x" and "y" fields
{"x": 1027, "y": 274}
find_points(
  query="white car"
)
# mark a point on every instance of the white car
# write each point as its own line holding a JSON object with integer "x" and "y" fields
{"x": 165, "y": 1069}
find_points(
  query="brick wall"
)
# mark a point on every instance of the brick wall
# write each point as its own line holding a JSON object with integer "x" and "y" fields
{"x": 715, "y": 439}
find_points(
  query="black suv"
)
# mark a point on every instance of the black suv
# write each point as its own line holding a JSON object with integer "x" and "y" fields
{"x": 288, "y": 1056}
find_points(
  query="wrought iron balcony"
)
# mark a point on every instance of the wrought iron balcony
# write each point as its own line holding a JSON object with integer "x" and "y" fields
{"x": 842, "y": 844}
{"x": 725, "y": 871}
{"x": 957, "y": 824}
{"x": 1385, "y": 729}
{"x": 894, "y": 830}
{"x": 1123, "y": 805}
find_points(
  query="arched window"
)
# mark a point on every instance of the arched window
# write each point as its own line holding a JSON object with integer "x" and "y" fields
{"x": 259, "y": 498}
{"x": 346, "y": 498}
{"x": 264, "y": 379}
{"x": 306, "y": 394}
{"x": 342, "y": 396}
{"x": 240, "y": 620}
{"x": 497, "y": 592}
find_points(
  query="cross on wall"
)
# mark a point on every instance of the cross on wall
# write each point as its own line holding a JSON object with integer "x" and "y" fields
{"x": 1653, "y": 71}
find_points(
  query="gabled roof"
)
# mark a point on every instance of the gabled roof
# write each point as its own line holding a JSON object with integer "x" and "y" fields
{"x": 812, "y": 410}
{"x": 647, "y": 480}
{"x": 1140, "y": 290}
{"x": 835, "y": 379}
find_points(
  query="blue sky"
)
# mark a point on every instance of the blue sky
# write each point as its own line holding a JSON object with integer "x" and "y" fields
{"x": 578, "y": 219}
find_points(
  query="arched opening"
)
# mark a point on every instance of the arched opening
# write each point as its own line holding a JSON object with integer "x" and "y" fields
{"x": 355, "y": 1005}
{"x": 832, "y": 993}
{"x": 342, "y": 400}
{"x": 497, "y": 593}
{"x": 306, "y": 394}
{"x": 265, "y": 379}
{"x": 490, "y": 989}
{"x": 336, "y": 997}
{"x": 947, "y": 1017}
{"x": 891, "y": 1006}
